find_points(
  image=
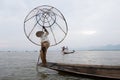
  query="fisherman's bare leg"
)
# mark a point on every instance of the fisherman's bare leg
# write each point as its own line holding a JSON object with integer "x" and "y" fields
{"x": 42, "y": 57}
{"x": 43, "y": 52}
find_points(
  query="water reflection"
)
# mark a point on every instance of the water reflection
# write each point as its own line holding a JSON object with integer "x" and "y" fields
{"x": 22, "y": 65}
{"x": 86, "y": 57}
{"x": 47, "y": 74}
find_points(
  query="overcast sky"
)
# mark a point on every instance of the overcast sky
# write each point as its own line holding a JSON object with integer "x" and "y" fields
{"x": 91, "y": 23}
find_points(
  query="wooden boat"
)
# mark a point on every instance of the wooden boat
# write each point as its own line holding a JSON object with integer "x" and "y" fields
{"x": 104, "y": 71}
{"x": 69, "y": 52}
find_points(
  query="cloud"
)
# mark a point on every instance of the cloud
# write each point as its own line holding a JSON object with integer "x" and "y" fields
{"x": 83, "y": 16}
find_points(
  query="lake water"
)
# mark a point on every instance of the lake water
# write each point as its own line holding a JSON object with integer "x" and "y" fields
{"x": 22, "y": 65}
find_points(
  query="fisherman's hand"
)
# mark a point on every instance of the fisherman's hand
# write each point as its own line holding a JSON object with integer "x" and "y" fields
{"x": 43, "y": 27}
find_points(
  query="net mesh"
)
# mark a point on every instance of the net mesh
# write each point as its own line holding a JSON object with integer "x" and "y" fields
{"x": 49, "y": 17}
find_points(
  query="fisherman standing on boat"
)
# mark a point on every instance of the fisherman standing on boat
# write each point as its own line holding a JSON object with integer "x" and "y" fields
{"x": 63, "y": 48}
{"x": 44, "y": 44}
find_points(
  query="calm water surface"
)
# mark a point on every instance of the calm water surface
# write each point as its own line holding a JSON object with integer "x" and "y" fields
{"x": 22, "y": 65}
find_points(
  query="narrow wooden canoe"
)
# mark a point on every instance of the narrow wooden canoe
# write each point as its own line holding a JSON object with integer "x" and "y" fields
{"x": 90, "y": 70}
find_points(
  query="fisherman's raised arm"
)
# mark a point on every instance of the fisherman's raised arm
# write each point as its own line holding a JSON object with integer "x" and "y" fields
{"x": 45, "y": 30}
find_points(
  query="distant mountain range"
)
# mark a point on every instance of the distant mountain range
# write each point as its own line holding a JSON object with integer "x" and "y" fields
{"x": 108, "y": 48}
